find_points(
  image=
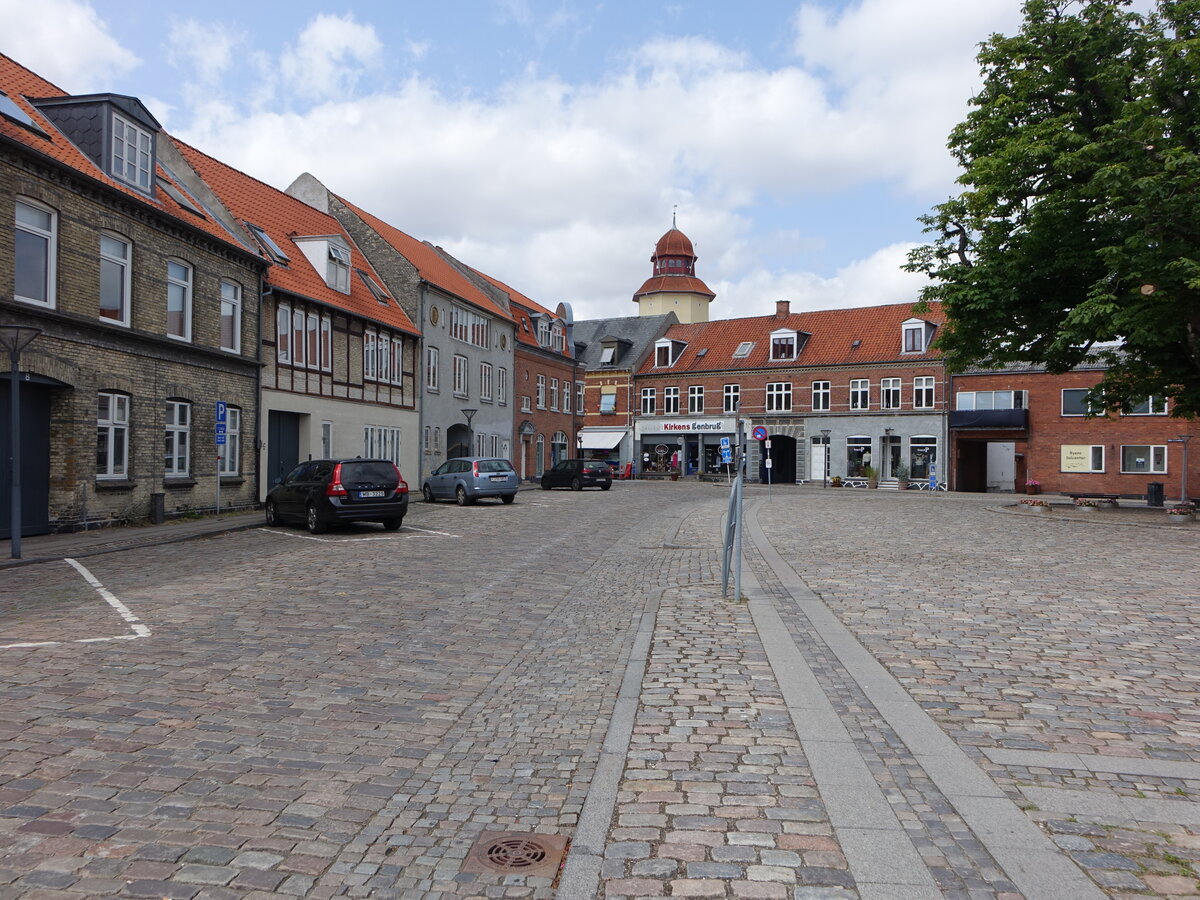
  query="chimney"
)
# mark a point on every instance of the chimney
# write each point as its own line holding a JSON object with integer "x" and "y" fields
{"x": 783, "y": 309}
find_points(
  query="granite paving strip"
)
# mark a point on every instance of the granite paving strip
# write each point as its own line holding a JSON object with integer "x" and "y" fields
{"x": 1113, "y": 808}
{"x": 1021, "y": 850}
{"x": 1094, "y": 762}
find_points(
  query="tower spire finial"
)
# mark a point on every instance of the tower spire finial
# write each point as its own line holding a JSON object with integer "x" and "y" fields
{"x": 674, "y": 209}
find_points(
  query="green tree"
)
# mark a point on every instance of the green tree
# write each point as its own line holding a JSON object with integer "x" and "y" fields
{"x": 1078, "y": 232}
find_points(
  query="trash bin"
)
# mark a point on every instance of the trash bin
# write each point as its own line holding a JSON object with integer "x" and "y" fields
{"x": 158, "y": 512}
{"x": 1154, "y": 493}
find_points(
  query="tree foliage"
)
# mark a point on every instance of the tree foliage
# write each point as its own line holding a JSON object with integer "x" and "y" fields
{"x": 1078, "y": 232}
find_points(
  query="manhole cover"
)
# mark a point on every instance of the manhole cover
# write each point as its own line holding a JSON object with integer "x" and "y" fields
{"x": 512, "y": 853}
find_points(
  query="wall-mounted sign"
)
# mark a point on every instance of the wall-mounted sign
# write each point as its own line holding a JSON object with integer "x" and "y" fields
{"x": 1075, "y": 458}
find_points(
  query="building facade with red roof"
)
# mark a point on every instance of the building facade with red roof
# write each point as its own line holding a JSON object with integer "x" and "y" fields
{"x": 139, "y": 397}
{"x": 340, "y": 355}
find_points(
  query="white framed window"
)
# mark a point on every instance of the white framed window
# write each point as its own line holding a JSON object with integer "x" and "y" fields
{"x": 923, "y": 392}
{"x": 337, "y": 274}
{"x": 914, "y": 338}
{"x": 132, "y": 153}
{"x": 860, "y": 393}
{"x": 327, "y": 439}
{"x": 607, "y": 356}
{"x": 384, "y": 352}
{"x": 35, "y": 253}
{"x": 427, "y": 439}
{"x": 566, "y": 396}
{"x": 116, "y": 254}
{"x": 1075, "y": 402}
{"x": 1081, "y": 458}
{"x": 283, "y": 334}
{"x": 397, "y": 360}
{"x": 312, "y": 340}
{"x": 431, "y": 368}
{"x": 179, "y": 300}
{"x": 1151, "y": 406}
{"x": 695, "y": 398}
{"x": 671, "y": 401}
{"x": 437, "y": 439}
{"x": 112, "y": 435}
{"x": 779, "y": 396}
{"x": 470, "y": 327}
{"x": 820, "y": 395}
{"x": 667, "y": 351}
{"x": 557, "y": 338}
{"x": 381, "y": 442}
{"x": 177, "y": 452}
{"x": 526, "y": 403}
{"x": 370, "y": 354}
{"x": 485, "y": 381}
{"x": 543, "y": 332}
{"x": 229, "y": 454}
{"x": 554, "y": 394}
{"x": 502, "y": 386}
{"x": 481, "y": 444}
{"x": 732, "y": 396}
{"x": 579, "y": 397}
{"x": 231, "y": 316}
{"x": 783, "y": 345}
{"x": 970, "y": 400}
{"x": 298, "y": 343}
{"x": 541, "y": 392}
{"x": 1139, "y": 458}
{"x": 649, "y": 401}
{"x": 326, "y": 344}
{"x": 540, "y": 457}
{"x": 889, "y": 393}
{"x": 461, "y": 388}
{"x": 608, "y": 401}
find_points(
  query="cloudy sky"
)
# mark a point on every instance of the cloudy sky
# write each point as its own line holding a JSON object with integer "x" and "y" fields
{"x": 548, "y": 142}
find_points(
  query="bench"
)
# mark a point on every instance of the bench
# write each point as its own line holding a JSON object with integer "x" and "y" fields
{"x": 1091, "y": 495}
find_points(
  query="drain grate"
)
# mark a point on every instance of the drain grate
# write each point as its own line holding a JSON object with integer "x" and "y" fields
{"x": 511, "y": 853}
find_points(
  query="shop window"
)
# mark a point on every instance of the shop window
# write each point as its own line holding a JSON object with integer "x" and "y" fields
{"x": 858, "y": 455}
{"x": 922, "y": 457}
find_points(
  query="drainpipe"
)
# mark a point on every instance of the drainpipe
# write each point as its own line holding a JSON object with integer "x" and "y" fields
{"x": 420, "y": 391}
{"x": 258, "y": 388}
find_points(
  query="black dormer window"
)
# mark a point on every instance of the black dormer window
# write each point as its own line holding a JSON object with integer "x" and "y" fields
{"x": 132, "y": 153}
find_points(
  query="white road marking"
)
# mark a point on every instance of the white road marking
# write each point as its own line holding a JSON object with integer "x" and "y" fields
{"x": 355, "y": 540}
{"x": 135, "y": 624}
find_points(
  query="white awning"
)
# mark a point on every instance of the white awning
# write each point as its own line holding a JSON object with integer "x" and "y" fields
{"x": 601, "y": 440}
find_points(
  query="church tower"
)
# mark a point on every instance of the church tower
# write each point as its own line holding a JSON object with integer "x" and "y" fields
{"x": 673, "y": 285}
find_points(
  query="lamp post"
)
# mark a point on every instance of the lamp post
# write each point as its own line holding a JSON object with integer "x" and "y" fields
{"x": 825, "y": 468}
{"x": 470, "y": 414}
{"x": 14, "y": 339}
{"x": 1182, "y": 439}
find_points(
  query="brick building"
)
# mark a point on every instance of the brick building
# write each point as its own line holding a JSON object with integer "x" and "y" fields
{"x": 339, "y": 353}
{"x": 1023, "y": 424}
{"x": 147, "y": 300}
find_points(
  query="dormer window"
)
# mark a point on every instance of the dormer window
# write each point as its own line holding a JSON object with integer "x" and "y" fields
{"x": 666, "y": 352}
{"x": 783, "y": 344}
{"x": 916, "y": 334}
{"x": 337, "y": 275}
{"x": 132, "y": 153}
{"x": 607, "y": 356}
{"x": 543, "y": 332}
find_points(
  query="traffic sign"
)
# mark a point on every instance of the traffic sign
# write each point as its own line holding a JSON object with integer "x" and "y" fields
{"x": 726, "y": 455}
{"x": 760, "y": 433}
{"x": 222, "y": 406}
{"x": 768, "y": 461}
{"x": 220, "y": 439}
{"x": 724, "y": 443}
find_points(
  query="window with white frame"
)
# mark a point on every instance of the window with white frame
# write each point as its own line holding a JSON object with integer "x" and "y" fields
{"x": 566, "y": 396}
{"x": 779, "y": 396}
{"x": 112, "y": 435}
{"x": 132, "y": 153}
{"x": 231, "y": 316}
{"x": 541, "y": 392}
{"x": 179, "y": 300}
{"x": 695, "y": 398}
{"x": 384, "y": 350}
{"x": 480, "y": 444}
{"x": 671, "y": 401}
{"x": 649, "y": 401}
{"x": 298, "y": 340}
{"x": 923, "y": 392}
{"x": 502, "y": 386}
{"x": 485, "y": 382}
{"x": 461, "y": 388}
{"x": 326, "y": 343}
{"x": 178, "y": 438}
{"x": 914, "y": 338}
{"x": 557, "y": 338}
{"x": 1075, "y": 402}
{"x": 543, "y": 332}
{"x": 608, "y": 401}
{"x": 526, "y": 403}
{"x": 427, "y": 438}
{"x": 397, "y": 360}
{"x": 860, "y": 393}
{"x": 579, "y": 397}
{"x": 889, "y": 393}
{"x": 732, "y": 395}
{"x": 431, "y": 368}
{"x": 283, "y": 334}
{"x": 116, "y": 253}
{"x": 667, "y": 352}
{"x": 1139, "y": 458}
{"x": 783, "y": 345}
{"x": 1151, "y": 406}
{"x": 820, "y": 396}
{"x": 381, "y": 442}
{"x": 312, "y": 340}
{"x": 327, "y": 439}
{"x": 437, "y": 439}
{"x": 470, "y": 327}
{"x": 229, "y": 454}
{"x": 971, "y": 400}
{"x": 554, "y": 394}
{"x": 35, "y": 249}
{"x": 337, "y": 273}
{"x": 540, "y": 455}
{"x": 370, "y": 354}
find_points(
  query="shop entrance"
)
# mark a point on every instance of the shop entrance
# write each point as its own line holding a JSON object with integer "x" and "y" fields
{"x": 783, "y": 460}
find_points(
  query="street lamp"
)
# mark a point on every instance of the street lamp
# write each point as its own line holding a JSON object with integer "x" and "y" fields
{"x": 1182, "y": 439}
{"x": 825, "y": 468}
{"x": 579, "y": 445}
{"x": 14, "y": 339}
{"x": 470, "y": 414}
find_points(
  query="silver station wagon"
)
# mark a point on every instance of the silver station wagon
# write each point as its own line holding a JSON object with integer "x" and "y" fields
{"x": 467, "y": 479}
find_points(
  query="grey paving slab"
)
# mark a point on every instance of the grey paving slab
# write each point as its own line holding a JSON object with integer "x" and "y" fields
{"x": 1094, "y": 762}
{"x": 1112, "y": 807}
{"x": 885, "y": 857}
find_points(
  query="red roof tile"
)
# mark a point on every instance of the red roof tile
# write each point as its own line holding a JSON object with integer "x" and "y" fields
{"x": 283, "y": 217}
{"x": 686, "y": 284}
{"x": 673, "y": 243}
{"x": 833, "y": 333}
{"x": 19, "y": 83}
{"x": 430, "y": 264}
{"x": 521, "y": 308}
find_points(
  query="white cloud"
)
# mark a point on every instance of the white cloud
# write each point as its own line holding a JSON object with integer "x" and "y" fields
{"x": 207, "y": 48}
{"x": 330, "y": 56}
{"x": 65, "y": 42}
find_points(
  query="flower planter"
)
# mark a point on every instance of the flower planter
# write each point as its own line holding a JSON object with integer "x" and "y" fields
{"x": 1032, "y": 489}
{"x": 1179, "y": 518}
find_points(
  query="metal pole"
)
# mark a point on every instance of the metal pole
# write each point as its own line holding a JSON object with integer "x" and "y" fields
{"x": 15, "y": 442}
{"x": 737, "y": 533}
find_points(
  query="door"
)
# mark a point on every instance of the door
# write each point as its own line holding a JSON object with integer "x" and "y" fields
{"x": 890, "y": 449}
{"x": 35, "y": 458}
{"x": 283, "y": 445}
{"x": 1001, "y": 466}
{"x": 783, "y": 459}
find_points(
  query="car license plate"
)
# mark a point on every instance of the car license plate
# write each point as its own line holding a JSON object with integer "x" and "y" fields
{"x": 499, "y": 478}
{"x": 367, "y": 495}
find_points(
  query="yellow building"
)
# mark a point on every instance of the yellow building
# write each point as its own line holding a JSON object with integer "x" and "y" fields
{"x": 673, "y": 287}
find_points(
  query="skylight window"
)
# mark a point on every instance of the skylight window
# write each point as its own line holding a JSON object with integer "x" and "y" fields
{"x": 180, "y": 197}
{"x": 11, "y": 111}
{"x": 743, "y": 349}
{"x": 606, "y": 356}
{"x": 701, "y": 353}
{"x": 269, "y": 247}
{"x": 373, "y": 286}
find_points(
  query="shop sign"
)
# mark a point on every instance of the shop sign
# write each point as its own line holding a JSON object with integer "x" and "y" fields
{"x": 1076, "y": 458}
{"x": 694, "y": 427}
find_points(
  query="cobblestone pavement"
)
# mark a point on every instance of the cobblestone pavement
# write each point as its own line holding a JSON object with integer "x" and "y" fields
{"x": 277, "y": 715}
